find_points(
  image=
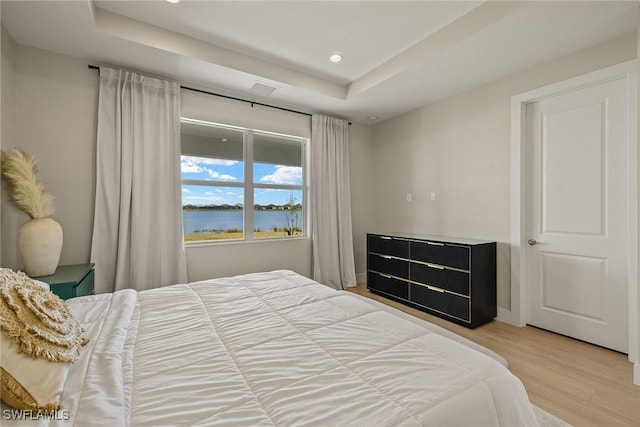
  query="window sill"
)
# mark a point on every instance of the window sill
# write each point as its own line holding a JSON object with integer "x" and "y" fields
{"x": 242, "y": 242}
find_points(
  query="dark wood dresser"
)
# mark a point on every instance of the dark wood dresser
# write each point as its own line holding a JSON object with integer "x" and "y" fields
{"x": 452, "y": 278}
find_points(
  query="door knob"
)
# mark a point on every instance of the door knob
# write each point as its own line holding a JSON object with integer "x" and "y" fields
{"x": 533, "y": 242}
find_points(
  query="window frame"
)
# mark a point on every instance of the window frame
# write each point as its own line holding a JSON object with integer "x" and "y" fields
{"x": 249, "y": 186}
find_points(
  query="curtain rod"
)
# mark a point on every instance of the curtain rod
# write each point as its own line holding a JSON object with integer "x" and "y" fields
{"x": 95, "y": 67}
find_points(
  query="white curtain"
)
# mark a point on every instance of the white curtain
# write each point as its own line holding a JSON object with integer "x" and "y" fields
{"x": 333, "y": 262}
{"x": 137, "y": 232}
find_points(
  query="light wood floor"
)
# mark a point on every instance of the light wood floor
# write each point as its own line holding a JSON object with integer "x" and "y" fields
{"x": 583, "y": 384}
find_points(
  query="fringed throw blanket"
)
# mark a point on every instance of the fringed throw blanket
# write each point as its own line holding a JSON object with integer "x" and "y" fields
{"x": 40, "y": 338}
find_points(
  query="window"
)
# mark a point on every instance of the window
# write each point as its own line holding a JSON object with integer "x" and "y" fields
{"x": 241, "y": 184}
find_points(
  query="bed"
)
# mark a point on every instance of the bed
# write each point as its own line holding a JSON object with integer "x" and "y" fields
{"x": 276, "y": 348}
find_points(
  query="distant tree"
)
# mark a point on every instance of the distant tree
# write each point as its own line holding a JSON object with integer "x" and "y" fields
{"x": 293, "y": 216}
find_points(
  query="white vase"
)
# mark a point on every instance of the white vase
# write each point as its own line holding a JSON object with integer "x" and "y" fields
{"x": 40, "y": 244}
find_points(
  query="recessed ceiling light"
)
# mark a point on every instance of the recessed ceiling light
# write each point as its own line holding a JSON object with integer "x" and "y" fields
{"x": 336, "y": 57}
{"x": 372, "y": 118}
{"x": 173, "y": 1}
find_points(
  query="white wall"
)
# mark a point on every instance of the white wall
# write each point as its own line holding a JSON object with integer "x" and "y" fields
{"x": 459, "y": 148}
{"x": 55, "y": 121}
{"x": 49, "y": 109}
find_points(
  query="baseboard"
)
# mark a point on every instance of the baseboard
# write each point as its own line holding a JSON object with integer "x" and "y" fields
{"x": 636, "y": 373}
{"x": 504, "y": 315}
{"x": 361, "y": 278}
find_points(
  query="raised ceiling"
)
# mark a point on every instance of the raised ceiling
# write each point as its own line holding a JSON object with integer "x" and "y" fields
{"x": 397, "y": 55}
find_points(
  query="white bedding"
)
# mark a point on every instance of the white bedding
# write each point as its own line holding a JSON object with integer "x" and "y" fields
{"x": 275, "y": 349}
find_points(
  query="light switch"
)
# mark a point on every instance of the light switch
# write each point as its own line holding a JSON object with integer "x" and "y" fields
{"x": 433, "y": 195}
{"x": 409, "y": 197}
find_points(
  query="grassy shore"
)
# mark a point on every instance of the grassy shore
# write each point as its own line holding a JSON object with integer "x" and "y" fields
{"x": 197, "y": 237}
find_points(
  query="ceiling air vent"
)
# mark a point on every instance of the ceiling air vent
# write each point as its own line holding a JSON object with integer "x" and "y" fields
{"x": 262, "y": 89}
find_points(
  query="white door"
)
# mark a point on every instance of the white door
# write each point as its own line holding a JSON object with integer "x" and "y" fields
{"x": 577, "y": 213}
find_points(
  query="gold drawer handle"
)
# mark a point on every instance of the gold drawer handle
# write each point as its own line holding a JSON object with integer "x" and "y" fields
{"x": 388, "y": 276}
{"x": 433, "y": 288}
{"x": 436, "y": 266}
{"x": 386, "y": 256}
{"x": 386, "y": 238}
{"x": 435, "y": 244}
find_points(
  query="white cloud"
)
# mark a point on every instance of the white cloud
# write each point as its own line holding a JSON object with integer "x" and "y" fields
{"x": 186, "y": 167}
{"x": 186, "y": 190}
{"x": 284, "y": 175}
{"x": 208, "y": 161}
{"x": 219, "y": 176}
{"x": 190, "y": 164}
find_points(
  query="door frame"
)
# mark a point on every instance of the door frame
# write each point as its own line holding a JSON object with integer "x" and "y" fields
{"x": 519, "y": 194}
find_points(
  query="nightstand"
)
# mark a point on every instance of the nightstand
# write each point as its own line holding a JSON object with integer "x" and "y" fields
{"x": 71, "y": 280}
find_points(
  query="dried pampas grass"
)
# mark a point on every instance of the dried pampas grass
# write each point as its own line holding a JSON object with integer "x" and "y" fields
{"x": 20, "y": 176}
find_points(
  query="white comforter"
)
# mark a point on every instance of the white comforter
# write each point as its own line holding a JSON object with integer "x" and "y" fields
{"x": 276, "y": 349}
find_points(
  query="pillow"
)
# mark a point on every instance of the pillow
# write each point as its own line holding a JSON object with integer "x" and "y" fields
{"x": 40, "y": 339}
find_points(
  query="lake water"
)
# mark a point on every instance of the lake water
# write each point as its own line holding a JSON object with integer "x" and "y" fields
{"x": 224, "y": 220}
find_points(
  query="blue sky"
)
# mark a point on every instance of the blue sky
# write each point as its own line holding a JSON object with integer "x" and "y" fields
{"x": 220, "y": 170}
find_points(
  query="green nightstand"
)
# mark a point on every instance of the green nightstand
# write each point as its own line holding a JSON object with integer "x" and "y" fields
{"x": 70, "y": 280}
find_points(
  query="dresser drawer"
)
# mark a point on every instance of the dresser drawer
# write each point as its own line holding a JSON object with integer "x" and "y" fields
{"x": 388, "y": 246}
{"x": 450, "y": 280}
{"x": 389, "y": 265}
{"x": 440, "y": 253}
{"x": 388, "y": 285}
{"x": 449, "y": 304}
